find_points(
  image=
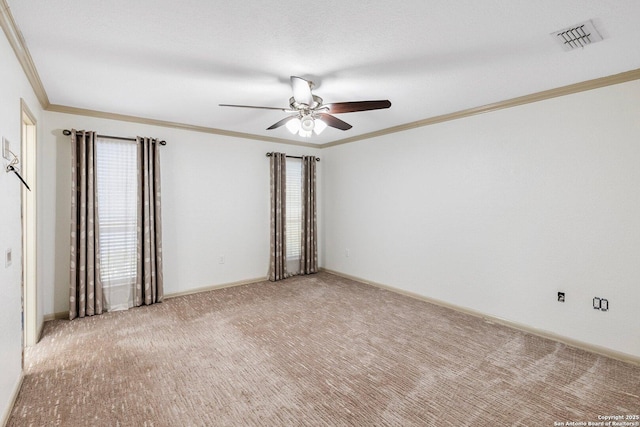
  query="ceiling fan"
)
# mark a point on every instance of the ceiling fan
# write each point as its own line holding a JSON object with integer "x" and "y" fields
{"x": 309, "y": 115}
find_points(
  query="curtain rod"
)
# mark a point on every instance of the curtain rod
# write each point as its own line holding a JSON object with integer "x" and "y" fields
{"x": 293, "y": 157}
{"x": 68, "y": 132}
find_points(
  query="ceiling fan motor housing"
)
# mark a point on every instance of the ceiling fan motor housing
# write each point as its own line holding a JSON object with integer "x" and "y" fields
{"x": 295, "y": 105}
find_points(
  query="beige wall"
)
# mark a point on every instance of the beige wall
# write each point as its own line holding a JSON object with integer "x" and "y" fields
{"x": 215, "y": 201}
{"x": 13, "y": 87}
{"x": 498, "y": 212}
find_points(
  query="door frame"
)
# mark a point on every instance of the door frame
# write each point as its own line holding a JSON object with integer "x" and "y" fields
{"x": 28, "y": 146}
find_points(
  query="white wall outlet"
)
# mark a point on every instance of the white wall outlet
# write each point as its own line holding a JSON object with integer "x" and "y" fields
{"x": 6, "y": 148}
{"x": 221, "y": 259}
{"x": 346, "y": 253}
{"x": 7, "y": 258}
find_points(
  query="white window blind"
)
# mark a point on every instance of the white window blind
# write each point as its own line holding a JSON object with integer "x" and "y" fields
{"x": 116, "y": 163}
{"x": 294, "y": 208}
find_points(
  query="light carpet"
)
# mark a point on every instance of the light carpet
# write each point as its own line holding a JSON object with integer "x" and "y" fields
{"x": 317, "y": 350}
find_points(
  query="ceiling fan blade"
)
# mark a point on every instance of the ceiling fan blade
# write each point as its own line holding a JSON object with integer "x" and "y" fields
{"x": 334, "y": 122}
{"x": 301, "y": 91}
{"x": 281, "y": 122}
{"x": 286, "y": 110}
{"x": 350, "y": 107}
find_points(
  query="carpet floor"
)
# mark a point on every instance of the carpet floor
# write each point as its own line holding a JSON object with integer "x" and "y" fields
{"x": 317, "y": 350}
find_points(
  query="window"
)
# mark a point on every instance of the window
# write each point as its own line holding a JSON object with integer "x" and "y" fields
{"x": 294, "y": 209}
{"x": 117, "y": 187}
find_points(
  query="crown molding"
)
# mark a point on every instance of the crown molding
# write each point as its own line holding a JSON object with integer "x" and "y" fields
{"x": 513, "y": 102}
{"x": 175, "y": 125}
{"x": 509, "y": 103}
{"x": 19, "y": 46}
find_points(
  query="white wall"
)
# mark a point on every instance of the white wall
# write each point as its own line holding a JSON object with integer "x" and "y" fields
{"x": 215, "y": 200}
{"x": 13, "y": 87}
{"x": 499, "y": 212}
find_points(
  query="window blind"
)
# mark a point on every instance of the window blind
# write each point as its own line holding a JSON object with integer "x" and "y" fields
{"x": 116, "y": 164}
{"x": 294, "y": 208}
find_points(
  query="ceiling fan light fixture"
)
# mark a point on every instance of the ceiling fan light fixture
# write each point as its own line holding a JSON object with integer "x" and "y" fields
{"x": 319, "y": 126}
{"x": 293, "y": 125}
{"x": 305, "y": 133}
{"x": 307, "y": 123}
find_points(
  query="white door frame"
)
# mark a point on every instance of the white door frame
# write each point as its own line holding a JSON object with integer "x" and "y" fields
{"x": 28, "y": 137}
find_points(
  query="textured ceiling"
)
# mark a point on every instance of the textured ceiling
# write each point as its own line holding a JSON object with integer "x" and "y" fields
{"x": 177, "y": 60}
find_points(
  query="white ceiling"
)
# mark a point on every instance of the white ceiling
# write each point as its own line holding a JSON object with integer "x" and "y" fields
{"x": 177, "y": 60}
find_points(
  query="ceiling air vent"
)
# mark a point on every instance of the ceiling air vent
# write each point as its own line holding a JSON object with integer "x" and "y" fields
{"x": 576, "y": 36}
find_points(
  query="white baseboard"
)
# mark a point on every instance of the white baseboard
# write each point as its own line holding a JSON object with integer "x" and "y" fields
{"x": 65, "y": 314}
{"x": 214, "y": 287}
{"x": 55, "y": 316}
{"x": 39, "y": 332}
{"x": 12, "y": 401}
{"x": 603, "y": 351}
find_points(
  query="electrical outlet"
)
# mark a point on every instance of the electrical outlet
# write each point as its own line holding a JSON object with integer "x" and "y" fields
{"x": 601, "y": 304}
{"x": 560, "y": 296}
{"x": 346, "y": 253}
{"x": 221, "y": 259}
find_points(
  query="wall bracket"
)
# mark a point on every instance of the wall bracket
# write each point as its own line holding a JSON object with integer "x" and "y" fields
{"x": 11, "y": 167}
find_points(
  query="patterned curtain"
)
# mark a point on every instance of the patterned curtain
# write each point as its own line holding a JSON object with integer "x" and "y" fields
{"x": 278, "y": 256}
{"x": 149, "y": 281}
{"x": 85, "y": 292}
{"x": 309, "y": 247}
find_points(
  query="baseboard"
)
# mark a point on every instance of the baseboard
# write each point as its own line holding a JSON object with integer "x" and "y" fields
{"x": 214, "y": 287}
{"x": 39, "y": 331}
{"x": 65, "y": 314}
{"x": 12, "y": 401}
{"x": 603, "y": 351}
{"x": 55, "y": 316}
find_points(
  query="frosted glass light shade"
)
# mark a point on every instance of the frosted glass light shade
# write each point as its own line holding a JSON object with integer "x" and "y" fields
{"x": 319, "y": 126}
{"x": 293, "y": 125}
{"x": 307, "y": 123}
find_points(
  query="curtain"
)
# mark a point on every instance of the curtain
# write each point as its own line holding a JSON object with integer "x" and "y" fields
{"x": 278, "y": 252}
{"x": 149, "y": 281}
{"x": 85, "y": 292}
{"x": 309, "y": 231}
